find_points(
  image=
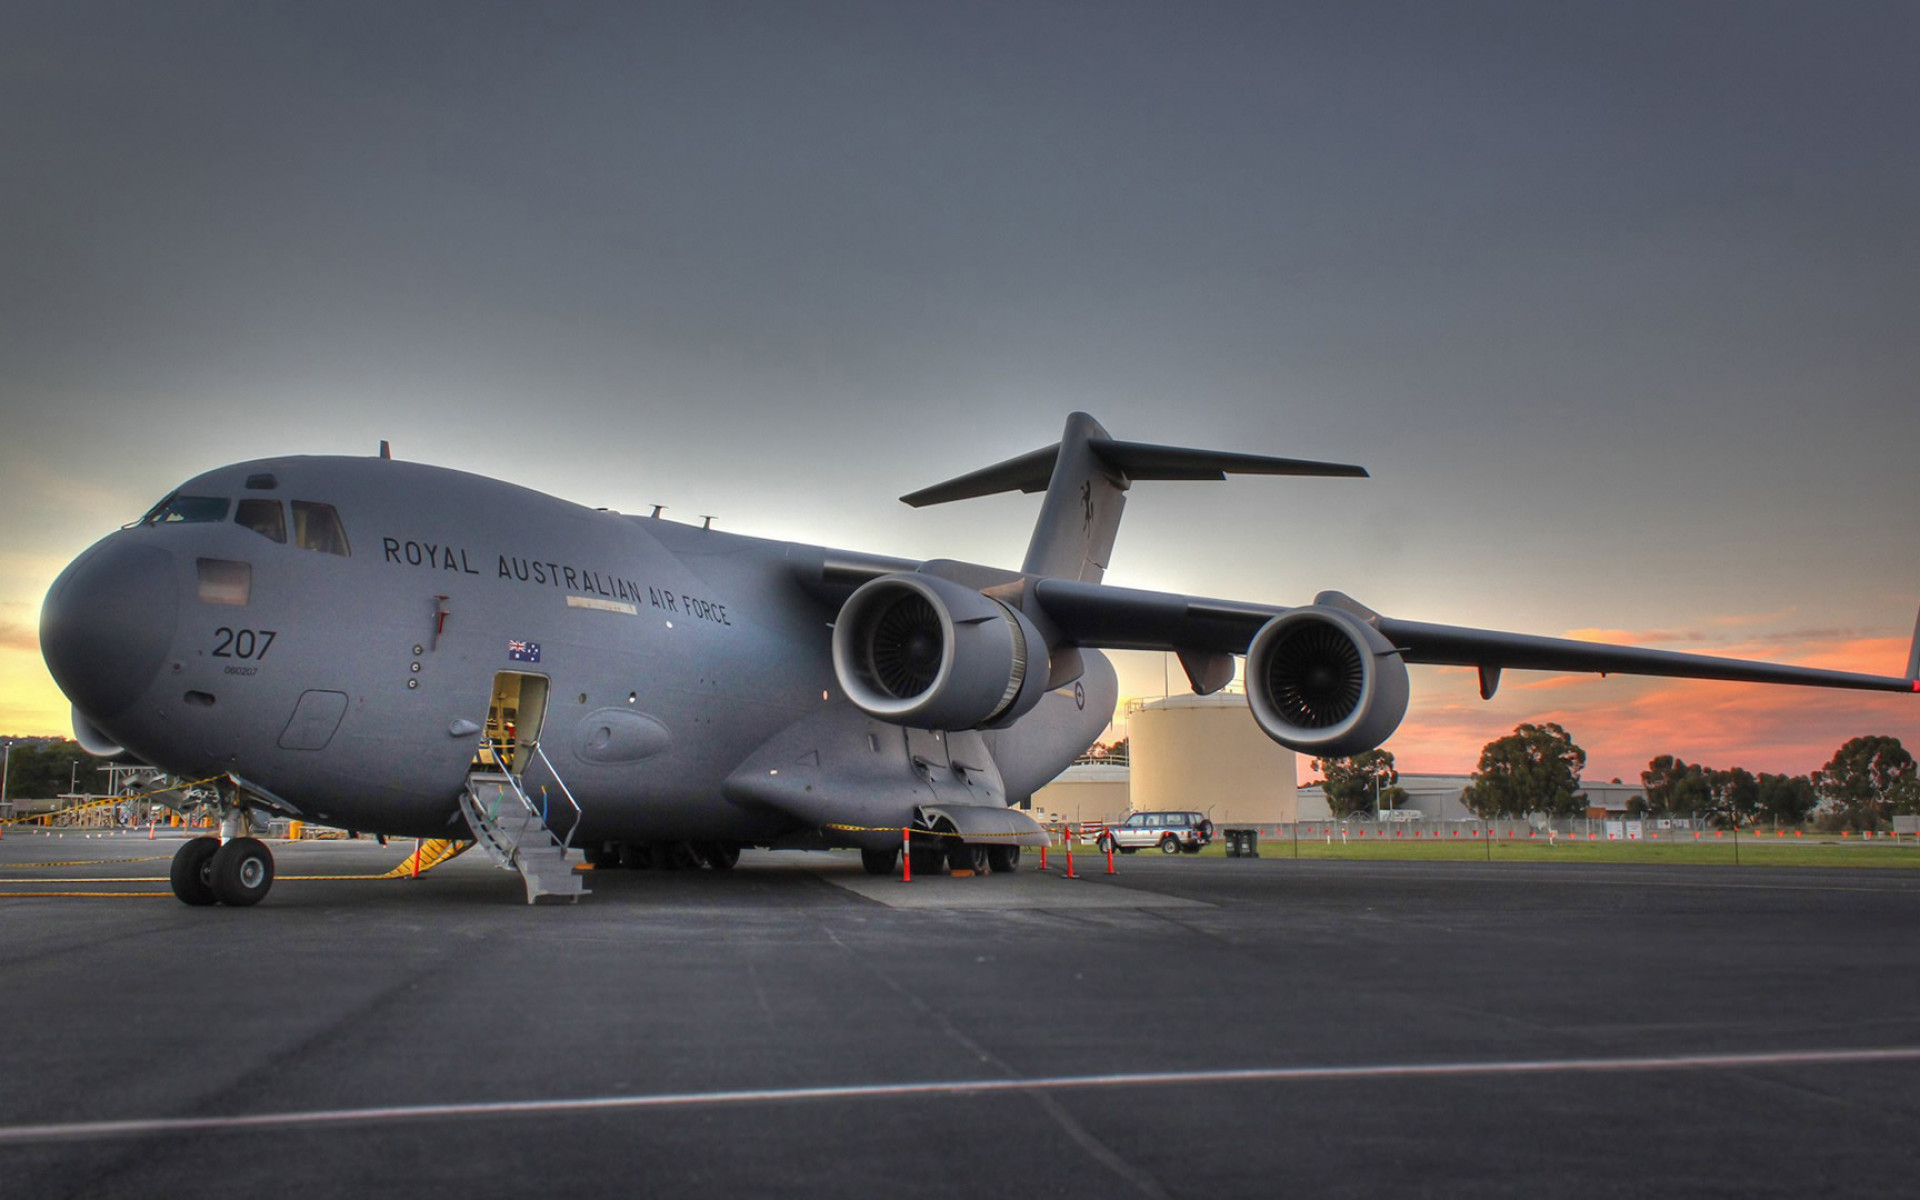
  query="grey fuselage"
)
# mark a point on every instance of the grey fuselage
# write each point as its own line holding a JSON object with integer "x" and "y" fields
{"x": 683, "y": 668}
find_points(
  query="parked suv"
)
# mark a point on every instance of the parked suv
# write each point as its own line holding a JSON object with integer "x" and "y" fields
{"x": 1171, "y": 831}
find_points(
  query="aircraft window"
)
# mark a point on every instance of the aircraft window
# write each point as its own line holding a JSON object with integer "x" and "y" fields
{"x": 225, "y": 582}
{"x": 264, "y": 517}
{"x": 186, "y": 510}
{"x": 317, "y": 527}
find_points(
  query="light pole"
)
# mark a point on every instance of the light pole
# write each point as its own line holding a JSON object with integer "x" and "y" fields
{"x": 6, "y": 761}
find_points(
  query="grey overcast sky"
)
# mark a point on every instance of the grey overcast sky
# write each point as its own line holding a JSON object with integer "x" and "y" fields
{"x": 1617, "y": 300}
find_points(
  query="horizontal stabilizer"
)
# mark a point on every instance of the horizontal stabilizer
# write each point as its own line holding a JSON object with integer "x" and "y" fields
{"x": 1031, "y": 472}
{"x": 1142, "y": 461}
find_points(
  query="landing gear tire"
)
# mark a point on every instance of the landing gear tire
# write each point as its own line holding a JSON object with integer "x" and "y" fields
{"x": 964, "y": 857}
{"x": 190, "y": 871}
{"x": 719, "y": 856}
{"x": 879, "y": 862}
{"x": 1168, "y": 845}
{"x": 929, "y": 860}
{"x": 1003, "y": 860}
{"x": 241, "y": 872}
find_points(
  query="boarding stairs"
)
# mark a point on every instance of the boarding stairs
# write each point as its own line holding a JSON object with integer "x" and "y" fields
{"x": 514, "y": 832}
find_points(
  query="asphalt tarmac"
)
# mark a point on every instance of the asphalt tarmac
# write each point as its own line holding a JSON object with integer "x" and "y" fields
{"x": 1192, "y": 1027}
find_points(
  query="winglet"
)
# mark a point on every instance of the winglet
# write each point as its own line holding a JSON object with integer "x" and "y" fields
{"x": 1913, "y": 657}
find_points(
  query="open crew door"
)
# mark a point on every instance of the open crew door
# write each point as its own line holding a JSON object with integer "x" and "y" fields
{"x": 514, "y": 714}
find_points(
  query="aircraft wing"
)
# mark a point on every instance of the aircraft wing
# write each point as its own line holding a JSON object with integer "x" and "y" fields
{"x": 1127, "y": 619}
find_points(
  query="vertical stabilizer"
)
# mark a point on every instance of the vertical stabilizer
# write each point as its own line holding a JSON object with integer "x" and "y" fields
{"x": 1073, "y": 539}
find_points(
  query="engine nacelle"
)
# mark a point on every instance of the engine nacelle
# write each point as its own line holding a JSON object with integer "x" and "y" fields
{"x": 927, "y": 652}
{"x": 97, "y": 743}
{"x": 1325, "y": 683}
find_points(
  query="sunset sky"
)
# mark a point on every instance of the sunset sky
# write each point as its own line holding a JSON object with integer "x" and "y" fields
{"x": 1619, "y": 302}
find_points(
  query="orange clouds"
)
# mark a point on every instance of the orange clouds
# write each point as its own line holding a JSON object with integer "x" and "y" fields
{"x": 1622, "y": 722}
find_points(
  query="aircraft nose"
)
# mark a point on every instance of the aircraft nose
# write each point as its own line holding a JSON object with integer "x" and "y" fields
{"x": 108, "y": 623}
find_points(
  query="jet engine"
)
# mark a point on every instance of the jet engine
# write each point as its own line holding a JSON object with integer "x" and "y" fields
{"x": 927, "y": 652}
{"x": 1325, "y": 683}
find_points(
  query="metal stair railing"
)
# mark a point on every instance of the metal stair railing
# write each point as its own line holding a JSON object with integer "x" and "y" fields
{"x": 566, "y": 844}
{"x": 533, "y": 813}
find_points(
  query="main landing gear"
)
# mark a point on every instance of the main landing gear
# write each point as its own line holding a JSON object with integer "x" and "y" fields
{"x": 939, "y": 851}
{"x": 237, "y": 873}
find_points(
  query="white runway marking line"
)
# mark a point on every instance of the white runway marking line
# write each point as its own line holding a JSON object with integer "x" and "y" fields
{"x": 15, "y": 1135}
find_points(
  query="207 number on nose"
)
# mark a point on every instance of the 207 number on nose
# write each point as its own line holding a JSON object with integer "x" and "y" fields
{"x": 242, "y": 643}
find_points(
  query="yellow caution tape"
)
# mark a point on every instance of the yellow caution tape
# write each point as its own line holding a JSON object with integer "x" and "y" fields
{"x": 107, "y": 801}
{"x": 78, "y": 895}
{"x": 101, "y": 879}
{"x": 920, "y": 833}
{"x": 87, "y": 862}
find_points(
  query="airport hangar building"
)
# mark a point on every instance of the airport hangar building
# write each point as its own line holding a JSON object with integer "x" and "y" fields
{"x": 1203, "y": 753}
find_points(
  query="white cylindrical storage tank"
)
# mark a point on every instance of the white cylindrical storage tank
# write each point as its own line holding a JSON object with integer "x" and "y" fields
{"x": 1084, "y": 793}
{"x": 1206, "y": 753}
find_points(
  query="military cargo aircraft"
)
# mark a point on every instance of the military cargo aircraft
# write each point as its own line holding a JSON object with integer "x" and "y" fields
{"x": 405, "y": 649}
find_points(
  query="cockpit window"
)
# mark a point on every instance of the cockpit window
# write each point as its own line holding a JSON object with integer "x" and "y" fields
{"x": 264, "y": 517}
{"x": 317, "y": 527}
{"x": 187, "y": 510}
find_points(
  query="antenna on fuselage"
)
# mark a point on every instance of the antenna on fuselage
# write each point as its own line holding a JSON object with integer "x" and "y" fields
{"x": 657, "y": 510}
{"x": 386, "y": 451}
{"x": 706, "y": 522}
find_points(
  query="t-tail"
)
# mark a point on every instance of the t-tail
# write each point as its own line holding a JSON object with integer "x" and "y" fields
{"x": 1086, "y": 475}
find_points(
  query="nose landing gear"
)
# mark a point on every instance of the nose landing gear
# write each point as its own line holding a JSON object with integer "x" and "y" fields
{"x": 237, "y": 874}
{"x": 235, "y": 869}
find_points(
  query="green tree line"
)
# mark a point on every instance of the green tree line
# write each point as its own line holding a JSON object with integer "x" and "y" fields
{"x": 1536, "y": 769}
{"x": 45, "y": 769}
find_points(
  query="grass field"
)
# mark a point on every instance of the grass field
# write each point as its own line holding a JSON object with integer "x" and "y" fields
{"x": 1767, "y": 851}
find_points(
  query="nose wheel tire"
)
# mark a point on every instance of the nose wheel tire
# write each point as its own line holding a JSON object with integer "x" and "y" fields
{"x": 240, "y": 872}
{"x": 191, "y": 872}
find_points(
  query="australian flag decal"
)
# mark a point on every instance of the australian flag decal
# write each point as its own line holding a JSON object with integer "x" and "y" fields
{"x": 523, "y": 651}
